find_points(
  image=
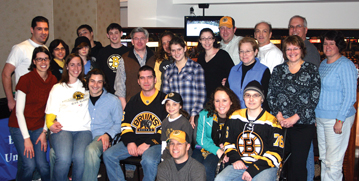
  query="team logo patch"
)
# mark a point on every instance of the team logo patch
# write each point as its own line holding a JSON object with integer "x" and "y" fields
{"x": 249, "y": 144}
{"x": 224, "y": 20}
{"x": 78, "y": 95}
{"x": 113, "y": 61}
{"x": 146, "y": 123}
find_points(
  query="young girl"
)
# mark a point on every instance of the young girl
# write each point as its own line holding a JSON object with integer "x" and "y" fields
{"x": 83, "y": 49}
{"x": 176, "y": 120}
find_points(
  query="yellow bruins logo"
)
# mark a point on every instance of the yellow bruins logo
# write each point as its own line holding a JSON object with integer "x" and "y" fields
{"x": 168, "y": 132}
{"x": 78, "y": 95}
{"x": 249, "y": 144}
{"x": 146, "y": 123}
{"x": 113, "y": 61}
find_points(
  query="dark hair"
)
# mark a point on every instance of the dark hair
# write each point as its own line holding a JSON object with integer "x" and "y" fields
{"x": 88, "y": 27}
{"x": 39, "y": 19}
{"x": 96, "y": 71}
{"x": 268, "y": 24}
{"x": 250, "y": 40}
{"x": 82, "y": 45}
{"x": 65, "y": 74}
{"x": 181, "y": 111}
{"x": 296, "y": 41}
{"x": 337, "y": 36}
{"x": 215, "y": 43}
{"x": 113, "y": 26}
{"x": 144, "y": 68}
{"x": 232, "y": 96}
{"x": 34, "y": 54}
{"x": 161, "y": 54}
{"x": 178, "y": 41}
{"x": 56, "y": 43}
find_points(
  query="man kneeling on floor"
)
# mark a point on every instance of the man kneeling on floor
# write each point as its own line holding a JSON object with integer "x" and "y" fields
{"x": 180, "y": 167}
{"x": 253, "y": 141}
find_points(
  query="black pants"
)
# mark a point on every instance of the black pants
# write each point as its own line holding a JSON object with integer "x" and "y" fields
{"x": 298, "y": 141}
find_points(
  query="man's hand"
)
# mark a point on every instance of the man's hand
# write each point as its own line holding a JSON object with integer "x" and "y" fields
{"x": 142, "y": 148}
{"x": 132, "y": 149}
{"x": 11, "y": 104}
{"x": 246, "y": 176}
{"x": 239, "y": 165}
{"x": 56, "y": 127}
{"x": 105, "y": 141}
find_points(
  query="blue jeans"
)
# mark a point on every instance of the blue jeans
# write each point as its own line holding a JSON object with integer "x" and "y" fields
{"x": 93, "y": 153}
{"x": 229, "y": 173}
{"x": 310, "y": 164}
{"x": 29, "y": 164}
{"x": 150, "y": 160}
{"x": 210, "y": 163}
{"x": 69, "y": 146}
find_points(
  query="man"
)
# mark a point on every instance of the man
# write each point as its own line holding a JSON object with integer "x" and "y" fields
{"x": 110, "y": 57}
{"x": 106, "y": 115}
{"x": 253, "y": 141}
{"x": 138, "y": 56}
{"x": 298, "y": 26}
{"x": 269, "y": 54}
{"x": 180, "y": 166}
{"x": 86, "y": 30}
{"x": 229, "y": 42}
{"x": 20, "y": 56}
{"x": 141, "y": 129}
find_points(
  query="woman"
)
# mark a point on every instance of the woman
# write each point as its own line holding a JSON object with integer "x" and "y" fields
{"x": 27, "y": 125}
{"x": 83, "y": 49}
{"x": 59, "y": 50}
{"x": 335, "y": 111}
{"x": 68, "y": 103}
{"x": 223, "y": 102}
{"x": 215, "y": 62}
{"x": 163, "y": 57}
{"x": 250, "y": 127}
{"x": 185, "y": 77}
{"x": 293, "y": 95}
{"x": 247, "y": 70}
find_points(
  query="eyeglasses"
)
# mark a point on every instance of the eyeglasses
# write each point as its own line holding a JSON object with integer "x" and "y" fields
{"x": 59, "y": 49}
{"x": 206, "y": 39}
{"x": 293, "y": 49}
{"x": 254, "y": 96}
{"x": 245, "y": 52}
{"x": 295, "y": 27}
{"x": 42, "y": 59}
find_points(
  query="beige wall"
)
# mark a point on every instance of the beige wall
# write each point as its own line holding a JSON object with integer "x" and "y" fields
{"x": 64, "y": 17}
{"x": 16, "y": 16}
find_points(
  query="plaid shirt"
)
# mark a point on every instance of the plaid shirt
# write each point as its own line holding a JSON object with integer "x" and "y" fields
{"x": 189, "y": 83}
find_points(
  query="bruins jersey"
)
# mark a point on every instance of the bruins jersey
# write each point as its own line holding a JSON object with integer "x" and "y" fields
{"x": 258, "y": 143}
{"x": 143, "y": 118}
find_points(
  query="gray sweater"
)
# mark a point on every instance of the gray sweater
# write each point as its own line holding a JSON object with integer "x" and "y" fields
{"x": 192, "y": 170}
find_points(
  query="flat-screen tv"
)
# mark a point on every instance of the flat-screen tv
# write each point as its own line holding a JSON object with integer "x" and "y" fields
{"x": 194, "y": 24}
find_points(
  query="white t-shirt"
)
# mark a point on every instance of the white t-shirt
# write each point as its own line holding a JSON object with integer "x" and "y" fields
{"x": 232, "y": 48}
{"x": 70, "y": 105}
{"x": 270, "y": 56}
{"x": 20, "y": 57}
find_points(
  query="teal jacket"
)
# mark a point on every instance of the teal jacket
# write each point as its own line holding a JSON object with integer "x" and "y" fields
{"x": 204, "y": 132}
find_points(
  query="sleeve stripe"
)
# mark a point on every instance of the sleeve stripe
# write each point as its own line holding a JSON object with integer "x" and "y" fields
{"x": 126, "y": 131}
{"x": 270, "y": 163}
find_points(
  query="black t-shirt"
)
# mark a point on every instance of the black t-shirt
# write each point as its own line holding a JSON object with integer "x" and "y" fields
{"x": 181, "y": 165}
{"x": 94, "y": 50}
{"x": 215, "y": 70}
{"x": 217, "y": 131}
{"x": 107, "y": 60}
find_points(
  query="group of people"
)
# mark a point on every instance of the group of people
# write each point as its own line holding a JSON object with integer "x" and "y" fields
{"x": 244, "y": 101}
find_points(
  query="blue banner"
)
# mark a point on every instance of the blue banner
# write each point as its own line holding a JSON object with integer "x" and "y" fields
{"x": 8, "y": 153}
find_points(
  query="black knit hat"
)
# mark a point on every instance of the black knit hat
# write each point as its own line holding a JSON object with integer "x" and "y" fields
{"x": 255, "y": 86}
{"x": 79, "y": 40}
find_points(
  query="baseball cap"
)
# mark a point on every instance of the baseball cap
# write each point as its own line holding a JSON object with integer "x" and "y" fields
{"x": 179, "y": 135}
{"x": 226, "y": 21}
{"x": 173, "y": 96}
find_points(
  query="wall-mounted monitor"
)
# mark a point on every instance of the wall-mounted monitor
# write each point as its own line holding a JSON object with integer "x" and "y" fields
{"x": 194, "y": 24}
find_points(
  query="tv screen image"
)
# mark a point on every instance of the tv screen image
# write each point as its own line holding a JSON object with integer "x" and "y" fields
{"x": 194, "y": 25}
